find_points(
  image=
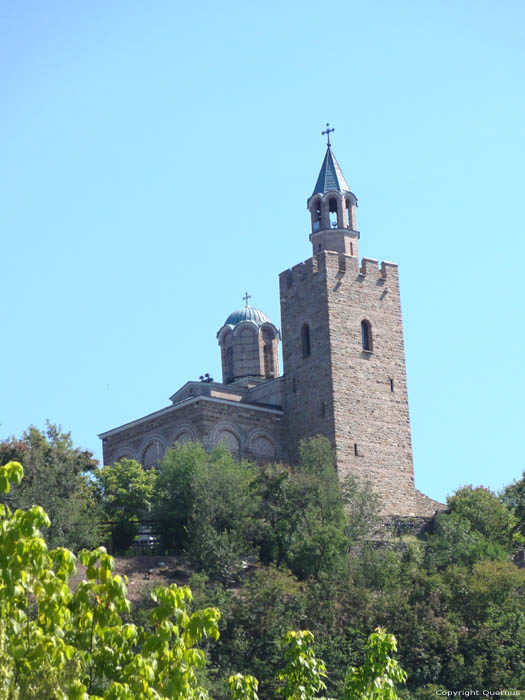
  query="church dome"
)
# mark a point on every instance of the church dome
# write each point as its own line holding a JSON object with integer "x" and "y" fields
{"x": 247, "y": 313}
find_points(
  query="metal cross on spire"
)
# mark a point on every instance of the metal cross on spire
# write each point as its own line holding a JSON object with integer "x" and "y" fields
{"x": 327, "y": 132}
{"x": 246, "y": 297}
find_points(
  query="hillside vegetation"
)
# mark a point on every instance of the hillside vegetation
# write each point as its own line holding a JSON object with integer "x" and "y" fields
{"x": 278, "y": 549}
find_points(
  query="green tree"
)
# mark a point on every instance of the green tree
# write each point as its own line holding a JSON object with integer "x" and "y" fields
{"x": 175, "y": 492}
{"x": 71, "y": 644}
{"x": 488, "y": 601}
{"x": 278, "y": 518}
{"x": 461, "y": 626}
{"x": 206, "y": 503}
{"x": 377, "y": 677}
{"x": 478, "y": 527}
{"x": 243, "y": 687}
{"x": 454, "y": 541}
{"x": 362, "y": 508}
{"x": 57, "y": 477}
{"x": 125, "y": 491}
{"x": 221, "y": 528}
{"x": 254, "y": 619}
{"x": 307, "y": 513}
{"x": 303, "y": 677}
{"x": 485, "y": 512}
{"x": 513, "y": 497}
{"x": 307, "y": 519}
{"x": 304, "y": 674}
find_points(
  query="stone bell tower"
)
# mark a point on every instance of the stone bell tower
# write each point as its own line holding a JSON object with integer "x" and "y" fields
{"x": 343, "y": 353}
{"x": 332, "y": 209}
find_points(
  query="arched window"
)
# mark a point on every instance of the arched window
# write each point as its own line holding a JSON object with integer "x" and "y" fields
{"x": 229, "y": 440}
{"x": 269, "y": 369}
{"x": 366, "y": 335}
{"x": 332, "y": 208}
{"x": 152, "y": 455}
{"x": 229, "y": 364}
{"x": 316, "y": 215}
{"x": 305, "y": 339}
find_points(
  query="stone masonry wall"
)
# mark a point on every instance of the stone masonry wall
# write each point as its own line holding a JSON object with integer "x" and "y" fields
{"x": 250, "y": 433}
{"x": 307, "y": 381}
{"x": 371, "y": 412}
{"x": 365, "y": 411}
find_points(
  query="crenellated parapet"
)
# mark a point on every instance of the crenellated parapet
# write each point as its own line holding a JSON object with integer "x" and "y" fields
{"x": 344, "y": 371}
{"x": 344, "y": 368}
{"x": 371, "y": 266}
{"x": 333, "y": 263}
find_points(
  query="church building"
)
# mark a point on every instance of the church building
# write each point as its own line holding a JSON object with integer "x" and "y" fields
{"x": 343, "y": 368}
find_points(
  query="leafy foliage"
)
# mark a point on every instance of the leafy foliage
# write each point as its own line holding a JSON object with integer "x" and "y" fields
{"x": 73, "y": 644}
{"x": 125, "y": 489}
{"x": 376, "y": 678}
{"x": 174, "y": 492}
{"x": 456, "y": 542}
{"x": 56, "y": 642}
{"x": 302, "y": 515}
{"x": 454, "y": 599}
{"x": 477, "y": 527}
{"x": 243, "y": 687}
{"x": 485, "y": 512}
{"x": 219, "y": 510}
{"x": 57, "y": 478}
{"x": 220, "y": 529}
{"x": 326, "y": 565}
{"x": 362, "y": 507}
{"x": 125, "y": 492}
{"x": 304, "y": 674}
{"x": 513, "y": 498}
{"x": 206, "y": 503}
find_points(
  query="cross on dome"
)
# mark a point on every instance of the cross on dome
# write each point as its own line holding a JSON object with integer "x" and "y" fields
{"x": 246, "y": 297}
{"x": 327, "y": 132}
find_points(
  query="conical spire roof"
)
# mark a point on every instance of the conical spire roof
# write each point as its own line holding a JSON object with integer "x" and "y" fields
{"x": 330, "y": 176}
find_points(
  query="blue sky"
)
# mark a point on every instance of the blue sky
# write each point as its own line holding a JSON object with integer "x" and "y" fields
{"x": 156, "y": 161}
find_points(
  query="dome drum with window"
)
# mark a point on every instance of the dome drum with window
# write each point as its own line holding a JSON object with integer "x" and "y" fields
{"x": 249, "y": 344}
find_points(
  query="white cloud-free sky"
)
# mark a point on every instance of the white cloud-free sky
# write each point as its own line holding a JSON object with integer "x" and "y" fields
{"x": 156, "y": 161}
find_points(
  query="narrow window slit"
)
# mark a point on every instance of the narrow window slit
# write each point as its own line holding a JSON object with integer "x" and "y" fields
{"x": 305, "y": 340}
{"x": 366, "y": 335}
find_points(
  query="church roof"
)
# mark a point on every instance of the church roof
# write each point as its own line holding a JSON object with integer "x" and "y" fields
{"x": 247, "y": 313}
{"x": 330, "y": 176}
